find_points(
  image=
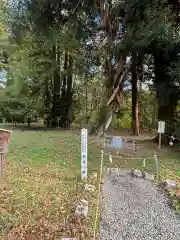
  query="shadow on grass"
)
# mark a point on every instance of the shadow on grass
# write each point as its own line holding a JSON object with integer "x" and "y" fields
{"x": 35, "y": 127}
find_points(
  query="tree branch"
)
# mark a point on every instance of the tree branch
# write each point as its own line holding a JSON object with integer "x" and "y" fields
{"x": 118, "y": 87}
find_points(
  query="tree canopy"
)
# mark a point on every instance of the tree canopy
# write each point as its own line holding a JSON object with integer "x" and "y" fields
{"x": 68, "y": 60}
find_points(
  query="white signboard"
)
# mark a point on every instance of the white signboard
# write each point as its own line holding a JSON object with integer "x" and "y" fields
{"x": 84, "y": 153}
{"x": 161, "y": 126}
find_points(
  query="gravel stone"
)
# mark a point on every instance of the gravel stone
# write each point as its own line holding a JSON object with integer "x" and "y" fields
{"x": 149, "y": 176}
{"x": 170, "y": 184}
{"x": 137, "y": 173}
{"x": 134, "y": 209}
{"x": 114, "y": 171}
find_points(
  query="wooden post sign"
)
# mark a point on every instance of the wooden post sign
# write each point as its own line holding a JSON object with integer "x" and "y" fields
{"x": 4, "y": 140}
{"x": 161, "y": 130}
{"x": 4, "y": 143}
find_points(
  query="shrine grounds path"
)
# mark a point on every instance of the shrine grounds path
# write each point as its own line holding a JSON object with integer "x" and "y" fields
{"x": 135, "y": 209}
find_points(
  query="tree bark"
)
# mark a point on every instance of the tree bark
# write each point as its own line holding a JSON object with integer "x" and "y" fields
{"x": 166, "y": 95}
{"x": 56, "y": 85}
{"x": 165, "y": 98}
{"x": 29, "y": 122}
{"x": 154, "y": 114}
{"x": 135, "y": 107}
{"x": 69, "y": 76}
{"x": 64, "y": 85}
{"x": 69, "y": 91}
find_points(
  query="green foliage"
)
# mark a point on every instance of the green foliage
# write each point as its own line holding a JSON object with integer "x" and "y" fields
{"x": 146, "y": 105}
{"x": 122, "y": 119}
{"x": 42, "y": 33}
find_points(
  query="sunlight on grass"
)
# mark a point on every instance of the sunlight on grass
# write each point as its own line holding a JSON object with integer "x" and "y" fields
{"x": 39, "y": 192}
{"x": 41, "y": 184}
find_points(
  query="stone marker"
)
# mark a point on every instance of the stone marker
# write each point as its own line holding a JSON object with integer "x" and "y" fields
{"x": 82, "y": 208}
{"x": 89, "y": 187}
{"x": 84, "y": 202}
{"x": 108, "y": 170}
{"x": 169, "y": 184}
{"x": 148, "y": 176}
{"x": 137, "y": 173}
{"x": 114, "y": 174}
{"x": 114, "y": 171}
{"x": 68, "y": 238}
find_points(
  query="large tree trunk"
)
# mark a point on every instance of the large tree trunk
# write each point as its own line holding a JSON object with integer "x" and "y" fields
{"x": 69, "y": 76}
{"x": 166, "y": 96}
{"x": 69, "y": 92}
{"x": 29, "y": 122}
{"x": 56, "y": 111}
{"x": 113, "y": 72}
{"x": 64, "y": 85}
{"x": 66, "y": 97}
{"x": 47, "y": 102}
{"x": 154, "y": 114}
{"x": 135, "y": 107}
{"x": 161, "y": 85}
{"x": 160, "y": 65}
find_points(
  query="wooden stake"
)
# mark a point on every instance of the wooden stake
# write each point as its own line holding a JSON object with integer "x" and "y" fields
{"x": 1, "y": 167}
{"x": 159, "y": 141}
{"x": 156, "y": 166}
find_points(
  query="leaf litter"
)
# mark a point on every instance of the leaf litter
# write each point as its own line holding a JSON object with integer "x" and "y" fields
{"x": 38, "y": 196}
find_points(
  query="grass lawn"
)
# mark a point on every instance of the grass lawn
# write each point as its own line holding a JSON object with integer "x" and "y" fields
{"x": 39, "y": 193}
{"x": 40, "y": 190}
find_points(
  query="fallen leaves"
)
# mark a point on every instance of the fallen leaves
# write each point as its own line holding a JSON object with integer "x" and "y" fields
{"x": 40, "y": 193}
{"x": 174, "y": 194}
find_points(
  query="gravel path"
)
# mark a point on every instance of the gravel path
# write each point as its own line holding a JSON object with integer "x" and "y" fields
{"x": 134, "y": 209}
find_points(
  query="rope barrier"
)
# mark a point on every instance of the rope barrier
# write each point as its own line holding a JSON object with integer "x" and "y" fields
{"x": 122, "y": 158}
{"x": 168, "y": 135}
{"x": 101, "y": 172}
{"x": 154, "y": 130}
{"x": 133, "y": 158}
